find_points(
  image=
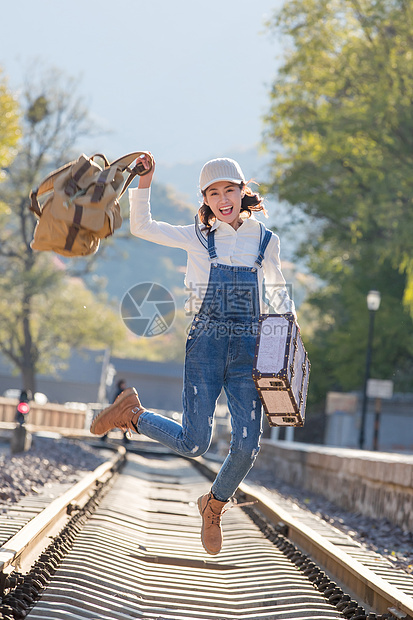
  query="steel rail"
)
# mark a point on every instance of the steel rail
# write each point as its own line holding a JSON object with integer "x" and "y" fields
{"x": 364, "y": 583}
{"x": 139, "y": 554}
{"x": 165, "y": 567}
{"x": 25, "y": 544}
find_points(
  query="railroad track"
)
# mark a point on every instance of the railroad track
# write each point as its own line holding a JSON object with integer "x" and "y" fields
{"x": 124, "y": 543}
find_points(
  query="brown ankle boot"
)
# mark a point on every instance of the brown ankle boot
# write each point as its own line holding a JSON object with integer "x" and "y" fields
{"x": 124, "y": 414}
{"x": 211, "y": 510}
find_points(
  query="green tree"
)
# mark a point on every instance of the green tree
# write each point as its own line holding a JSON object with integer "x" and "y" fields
{"x": 341, "y": 111}
{"x": 340, "y": 127}
{"x": 339, "y": 317}
{"x": 44, "y": 312}
{"x": 10, "y": 132}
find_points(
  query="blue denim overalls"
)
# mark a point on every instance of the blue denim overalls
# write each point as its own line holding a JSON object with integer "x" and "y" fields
{"x": 219, "y": 353}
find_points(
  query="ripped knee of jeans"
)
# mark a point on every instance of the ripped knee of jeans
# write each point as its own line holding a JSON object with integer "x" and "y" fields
{"x": 244, "y": 451}
{"x": 254, "y": 453}
{"x": 195, "y": 450}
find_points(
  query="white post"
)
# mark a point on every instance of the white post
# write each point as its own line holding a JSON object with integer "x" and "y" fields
{"x": 101, "y": 397}
{"x": 275, "y": 431}
{"x": 289, "y": 433}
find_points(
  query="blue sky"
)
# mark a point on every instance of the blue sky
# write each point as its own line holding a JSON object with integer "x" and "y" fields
{"x": 187, "y": 80}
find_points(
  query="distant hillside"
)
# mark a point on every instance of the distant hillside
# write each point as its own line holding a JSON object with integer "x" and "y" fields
{"x": 129, "y": 260}
{"x": 184, "y": 177}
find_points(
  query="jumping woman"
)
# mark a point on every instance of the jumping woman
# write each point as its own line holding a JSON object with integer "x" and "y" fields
{"x": 234, "y": 274}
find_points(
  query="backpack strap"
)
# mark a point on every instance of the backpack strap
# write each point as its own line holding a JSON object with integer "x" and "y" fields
{"x": 34, "y": 203}
{"x": 45, "y": 186}
{"x": 105, "y": 159}
{"x": 74, "y": 227}
{"x": 71, "y": 187}
{"x": 100, "y": 184}
{"x": 124, "y": 162}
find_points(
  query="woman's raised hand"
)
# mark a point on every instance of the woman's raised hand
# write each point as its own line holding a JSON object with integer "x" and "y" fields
{"x": 145, "y": 160}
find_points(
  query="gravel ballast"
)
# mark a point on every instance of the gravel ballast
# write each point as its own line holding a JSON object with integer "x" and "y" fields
{"x": 66, "y": 461}
{"x": 378, "y": 535}
{"x": 48, "y": 461}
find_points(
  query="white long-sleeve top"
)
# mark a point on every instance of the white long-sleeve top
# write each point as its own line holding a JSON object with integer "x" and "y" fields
{"x": 234, "y": 247}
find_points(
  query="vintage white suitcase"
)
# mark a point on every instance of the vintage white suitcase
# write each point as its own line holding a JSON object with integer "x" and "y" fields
{"x": 281, "y": 370}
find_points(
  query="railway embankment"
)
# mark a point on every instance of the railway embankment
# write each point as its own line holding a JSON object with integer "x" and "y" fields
{"x": 375, "y": 484}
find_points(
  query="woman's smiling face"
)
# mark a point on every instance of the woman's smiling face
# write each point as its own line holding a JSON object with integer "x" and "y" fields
{"x": 224, "y": 200}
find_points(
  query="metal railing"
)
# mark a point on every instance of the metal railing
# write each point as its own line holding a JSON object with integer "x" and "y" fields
{"x": 51, "y": 415}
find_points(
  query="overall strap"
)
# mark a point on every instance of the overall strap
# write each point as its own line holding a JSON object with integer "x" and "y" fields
{"x": 265, "y": 237}
{"x": 209, "y": 243}
{"x": 199, "y": 234}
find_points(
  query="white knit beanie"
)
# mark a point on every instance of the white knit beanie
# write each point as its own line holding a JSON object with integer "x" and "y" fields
{"x": 222, "y": 169}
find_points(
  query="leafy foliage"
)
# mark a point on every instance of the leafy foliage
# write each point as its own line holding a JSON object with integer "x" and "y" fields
{"x": 341, "y": 130}
{"x": 10, "y": 131}
{"x": 44, "y": 312}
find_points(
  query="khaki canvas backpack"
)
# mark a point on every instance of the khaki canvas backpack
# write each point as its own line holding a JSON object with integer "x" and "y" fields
{"x": 82, "y": 204}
